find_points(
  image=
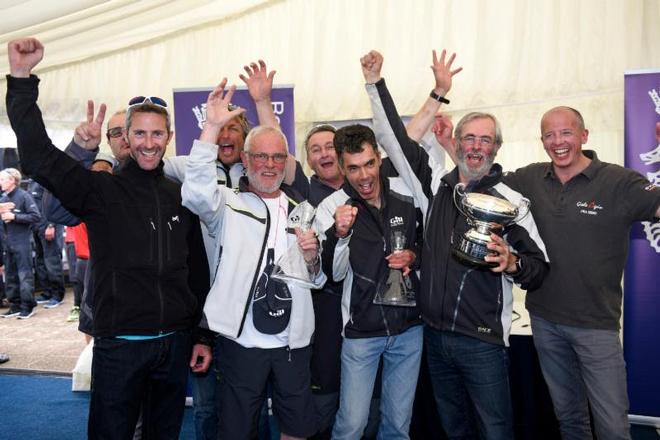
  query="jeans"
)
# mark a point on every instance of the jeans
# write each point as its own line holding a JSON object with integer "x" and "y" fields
{"x": 584, "y": 368}
{"x": 49, "y": 263}
{"x": 470, "y": 381}
{"x": 19, "y": 277}
{"x": 127, "y": 375}
{"x": 206, "y": 400}
{"x": 359, "y": 365}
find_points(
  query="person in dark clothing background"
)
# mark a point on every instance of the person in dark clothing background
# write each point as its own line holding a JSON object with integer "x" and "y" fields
{"x": 19, "y": 213}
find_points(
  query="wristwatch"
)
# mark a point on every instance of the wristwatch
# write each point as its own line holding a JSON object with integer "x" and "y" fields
{"x": 438, "y": 97}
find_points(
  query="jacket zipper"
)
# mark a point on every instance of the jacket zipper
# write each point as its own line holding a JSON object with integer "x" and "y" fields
{"x": 159, "y": 251}
{"x": 382, "y": 233}
{"x": 257, "y": 272}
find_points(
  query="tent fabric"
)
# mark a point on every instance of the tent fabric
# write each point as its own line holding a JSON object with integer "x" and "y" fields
{"x": 520, "y": 57}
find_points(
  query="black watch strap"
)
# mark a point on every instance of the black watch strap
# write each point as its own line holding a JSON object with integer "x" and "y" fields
{"x": 438, "y": 97}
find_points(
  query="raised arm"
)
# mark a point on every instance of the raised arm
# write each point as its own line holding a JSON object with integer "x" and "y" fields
{"x": 425, "y": 117}
{"x": 40, "y": 159}
{"x": 260, "y": 85}
{"x": 200, "y": 191}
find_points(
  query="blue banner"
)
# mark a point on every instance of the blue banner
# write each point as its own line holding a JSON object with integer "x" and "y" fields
{"x": 641, "y": 326}
{"x": 190, "y": 113}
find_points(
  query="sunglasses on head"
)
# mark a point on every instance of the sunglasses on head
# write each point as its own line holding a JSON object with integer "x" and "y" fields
{"x": 155, "y": 100}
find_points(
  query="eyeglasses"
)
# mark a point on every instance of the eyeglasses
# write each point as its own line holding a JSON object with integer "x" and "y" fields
{"x": 115, "y": 132}
{"x": 262, "y": 158}
{"x": 155, "y": 100}
{"x": 470, "y": 140}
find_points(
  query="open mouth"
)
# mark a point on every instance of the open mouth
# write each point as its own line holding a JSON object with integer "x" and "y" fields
{"x": 366, "y": 188}
{"x": 560, "y": 152}
{"x": 475, "y": 158}
{"x": 226, "y": 149}
{"x": 327, "y": 164}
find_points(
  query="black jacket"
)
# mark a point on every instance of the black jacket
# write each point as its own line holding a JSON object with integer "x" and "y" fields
{"x": 143, "y": 240}
{"x": 455, "y": 297}
{"x": 27, "y": 216}
{"x": 369, "y": 245}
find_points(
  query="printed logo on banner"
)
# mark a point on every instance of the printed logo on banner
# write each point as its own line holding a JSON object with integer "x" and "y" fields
{"x": 655, "y": 97}
{"x": 652, "y": 230}
{"x": 190, "y": 113}
{"x": 651, "y": 157}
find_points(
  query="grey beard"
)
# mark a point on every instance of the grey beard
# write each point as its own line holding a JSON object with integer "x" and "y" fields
{"x": 474, "y": 173}
{"x": 252, "y": 178}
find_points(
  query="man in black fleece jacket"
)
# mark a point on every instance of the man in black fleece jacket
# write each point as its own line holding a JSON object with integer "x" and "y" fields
{"x": 144, "y": 242}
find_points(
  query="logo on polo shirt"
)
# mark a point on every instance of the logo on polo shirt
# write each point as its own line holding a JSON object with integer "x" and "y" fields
{"x": 589, "y": 208}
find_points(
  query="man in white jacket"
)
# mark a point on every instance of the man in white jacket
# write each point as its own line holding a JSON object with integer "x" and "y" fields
{"x": 264, "y": 324}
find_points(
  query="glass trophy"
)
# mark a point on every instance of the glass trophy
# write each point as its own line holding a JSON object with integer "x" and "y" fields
{"x": 398, "y": 289}
{"x": 291, "y": 267}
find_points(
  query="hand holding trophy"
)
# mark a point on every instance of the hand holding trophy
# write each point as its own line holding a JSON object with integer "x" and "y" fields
{"x": 292, "y": 266}
{"x": 486, "y": 215}
{"x": 398, "y": 290}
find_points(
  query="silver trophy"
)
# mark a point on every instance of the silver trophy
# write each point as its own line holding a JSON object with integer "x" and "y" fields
{"x": 487, "y": 215}
{"x": 291, "y": 267}
{"x": 398, "y": 288}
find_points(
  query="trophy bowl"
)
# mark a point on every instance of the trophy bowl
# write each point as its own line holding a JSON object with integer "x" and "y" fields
{"x": 486, "y": 215}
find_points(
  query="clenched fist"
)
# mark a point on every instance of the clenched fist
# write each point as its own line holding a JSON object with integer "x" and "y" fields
{"x": 24, "y": 54}
{"x": 344, "y": 218}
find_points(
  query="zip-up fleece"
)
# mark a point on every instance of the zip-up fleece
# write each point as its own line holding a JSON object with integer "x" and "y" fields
{"x": 455, "y": 297}
{"x": 359, "y": 258}
{"x": 143, "y": 240}
{"x": 239, "y": 221}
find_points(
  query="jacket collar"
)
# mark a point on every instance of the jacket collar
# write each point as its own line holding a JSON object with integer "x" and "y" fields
{"x": 131, "y": 168}
{"x": 589, "y": 172}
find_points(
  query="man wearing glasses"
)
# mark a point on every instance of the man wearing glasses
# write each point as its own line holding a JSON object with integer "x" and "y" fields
{"x": 146, "y": 247}
{"x": 467, "y": 311}
{"x": 265, "y": 325}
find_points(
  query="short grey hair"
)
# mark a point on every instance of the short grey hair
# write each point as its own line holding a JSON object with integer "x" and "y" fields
{"x": 458, "y": 131}
{"x": 14, "y": 174}
{"x": 319, "y": 129}
{"x": 262, "y": 129}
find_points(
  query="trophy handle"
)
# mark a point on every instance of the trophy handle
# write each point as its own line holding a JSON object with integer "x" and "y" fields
{"x": 523, "y": 209}
{"x": 459, "y": 190}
